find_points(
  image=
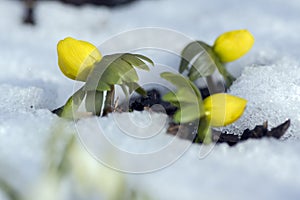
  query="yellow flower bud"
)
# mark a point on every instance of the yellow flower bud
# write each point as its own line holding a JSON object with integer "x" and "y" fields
{"x": 76, "y": 58}
{"x": 232, "y": 45}
{"x": 223, "y": 109}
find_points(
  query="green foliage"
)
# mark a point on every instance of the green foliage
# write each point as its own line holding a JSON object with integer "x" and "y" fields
{"x": 187, "y": 98}
{"x": 116, "y": 69}
{"x": 189, "y": 102}
{"x": 72, "y": 104}
{"x": 199, "y": 60}
{"x": 94, "y": 102}
{"x": 204, "y": 131}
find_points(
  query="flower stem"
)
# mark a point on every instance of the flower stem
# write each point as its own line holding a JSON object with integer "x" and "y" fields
{"x": 108, "y": 101}
{"x": 204, "y": 132}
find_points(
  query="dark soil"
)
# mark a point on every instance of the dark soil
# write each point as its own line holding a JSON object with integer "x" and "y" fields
{"x": 153, "y": 97}
{"x": 260, "y": 131}
{"x": 189, "y": 131}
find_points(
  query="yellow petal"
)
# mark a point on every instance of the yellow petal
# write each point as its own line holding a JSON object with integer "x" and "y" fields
{"x": 76, "y": 58}
{"x": 232, "y": 45}
{"x": 223, "y": 109}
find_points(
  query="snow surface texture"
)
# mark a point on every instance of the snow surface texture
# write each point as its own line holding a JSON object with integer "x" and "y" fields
{"x": 31, "y": 84}
{"x": 274, "y": 98}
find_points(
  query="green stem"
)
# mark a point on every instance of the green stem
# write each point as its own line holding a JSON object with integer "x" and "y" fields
{"x": 212, "y": 85}
{"x": 226, "y": 75}
{"x": 204, "y": 131}
{"x": 110, "y": 96}
{"x": 125, "y": 92}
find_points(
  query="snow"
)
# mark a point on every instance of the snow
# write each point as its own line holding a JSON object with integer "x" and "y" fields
{"x": 31, "y": 84}
{"x": 273, "y": 98}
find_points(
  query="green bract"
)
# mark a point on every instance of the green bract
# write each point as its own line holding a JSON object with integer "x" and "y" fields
{"x": 189, "y": 102}
{"x": 187, "y": 98}
{"x": 216, "y": 110}
{"x": 116, "y": 69}
{"x": 200, "y": 60}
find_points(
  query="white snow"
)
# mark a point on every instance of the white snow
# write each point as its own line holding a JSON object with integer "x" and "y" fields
{"x": 270, "y": 98}
{"x": 31, "y": 84}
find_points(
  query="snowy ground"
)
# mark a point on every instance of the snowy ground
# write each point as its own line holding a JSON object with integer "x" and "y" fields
{"x": 31, "y": 84}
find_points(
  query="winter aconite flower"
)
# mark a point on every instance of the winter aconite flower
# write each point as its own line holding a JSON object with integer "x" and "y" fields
{"x": 223, "y": 109}
{"x": 76, "y": 58}
{"x": 232, "y": 45}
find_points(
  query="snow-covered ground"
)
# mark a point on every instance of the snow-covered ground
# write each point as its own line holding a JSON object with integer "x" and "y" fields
{"x": 31, "y": 84}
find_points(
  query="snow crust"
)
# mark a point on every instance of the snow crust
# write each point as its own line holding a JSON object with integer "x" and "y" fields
{"x": 270, "y": 98}
{"x": 31, "y": 85}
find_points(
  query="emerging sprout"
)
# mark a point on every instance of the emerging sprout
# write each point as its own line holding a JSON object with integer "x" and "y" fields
{"x": 76, "y": 58}
{"x": 232, "y": 45}
{"x": 216, "y": 110}
{"x": 81, "y": 60}
{"x": 201, "y": 59}
{"x": 187, "y": 98}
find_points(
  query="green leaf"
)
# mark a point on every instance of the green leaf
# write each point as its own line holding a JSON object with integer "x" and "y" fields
{"x": 188, "y": 53}
{"x": 201, "y": 61}
{"x": 187, "y": 98}
{"x": 125, "y": 91}
{"x": 177, "y": 80}
{"x": 187, "y": 113}
{"x": 182, "y": 95}
{"x": 137, "y": 88}
{"x": 93, "y": 80}
{"x": 181, "y": 83}
{"x": 72, "y": 105}
{"x": 119, "y": 72}
{"x": 201, "y": 67}
{"x": 144, "y": 58}
{"x": 171, "y": 97}
{"x": 94, "y": 102}
{"x": 101, "y": 87}
{"x": 223, "y": 71}
{"x": 135, "y": 61}
{"x": 116, "y": 69}
{"x": 197, "y": 92}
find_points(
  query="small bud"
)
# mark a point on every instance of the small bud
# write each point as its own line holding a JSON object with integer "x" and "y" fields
{"x": 76, "y": 58}
{"x": 232, "y": 45}
{"x": 223, "y": 109}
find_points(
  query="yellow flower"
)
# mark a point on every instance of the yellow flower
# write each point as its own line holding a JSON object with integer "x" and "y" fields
{"x": 232, "y": 45}
{"x": 76, "y": 58}
{"x": 223, "y": 109}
